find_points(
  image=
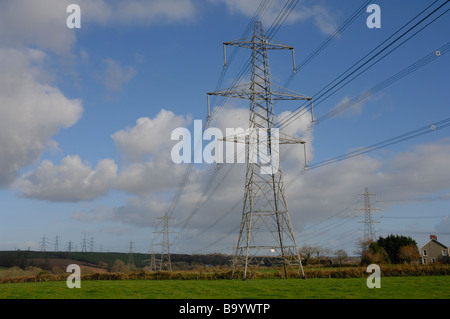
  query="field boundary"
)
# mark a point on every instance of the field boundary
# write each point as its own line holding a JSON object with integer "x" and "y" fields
{"x": 345, "y": 272}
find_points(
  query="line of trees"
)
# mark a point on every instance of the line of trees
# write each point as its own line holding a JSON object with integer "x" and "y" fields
{"x": 321, "y": 255}
{"x": 394, "y": 249}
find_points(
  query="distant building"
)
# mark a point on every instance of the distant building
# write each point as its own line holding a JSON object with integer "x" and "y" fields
{"x": 434, "y": 251}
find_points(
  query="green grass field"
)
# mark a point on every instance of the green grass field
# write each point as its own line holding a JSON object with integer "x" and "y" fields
{"x": 423, "y": 287}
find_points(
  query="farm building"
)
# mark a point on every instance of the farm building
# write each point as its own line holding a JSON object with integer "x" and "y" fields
{"x": 434, "y": 251}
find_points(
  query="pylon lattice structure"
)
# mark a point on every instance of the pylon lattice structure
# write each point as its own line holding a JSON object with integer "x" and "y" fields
{"x": 91, "y": 245}
{"x": 43, "y": 243}
{"x": 57, "y": 243}
{"x": 165, "y": 262}
{"x": 69, "y": 247}
{"x": 369, "y": 232}
{"x": 130, "y": 264}
{"x": 266, "y": 234}
{"x": 153, "y": 259}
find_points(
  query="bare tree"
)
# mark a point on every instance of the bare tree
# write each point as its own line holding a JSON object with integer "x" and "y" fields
{"x": 307, "y": 253}
{"x": 341, "y": 255}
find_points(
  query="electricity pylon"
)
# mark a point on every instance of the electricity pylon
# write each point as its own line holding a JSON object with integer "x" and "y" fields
{"x": 153, "y": 259}
{"x": 165, "y": 262}
{"x": 266, "y": 233}
{"x": 91, "y": 245}
{"x": 69, "y": 246}
{"x": 43, "y": 243}
{"x": 369, "y": 232}
{"x": 57, "y": 243}
{"x": 84, "y": 244}
{"x": 130, "y": 264}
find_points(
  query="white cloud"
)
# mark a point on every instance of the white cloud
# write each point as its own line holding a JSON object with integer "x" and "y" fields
{"x": 332, "y": 188}
{"x": 317, "y": 195}
{"x": 149, "y": 177}
{"x": 150, "y": 137}
{"x": 39, "y": 24}
{"x": 141, "y": 211}
{"x": 146, "y": 149}
{"x": 155, "y": 11}
{"x": 42, "y": 23}
{"x": 71, "y": 181}
{"x": 31, "y": 112}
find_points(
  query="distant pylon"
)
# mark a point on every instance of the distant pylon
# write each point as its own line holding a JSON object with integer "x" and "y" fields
{"x": 165, "y": 261}
{"x": 153, "y": 259}
{"x": 91, "y": 245}
{"x": 69, "y": 246}
{"x": 266, "y": 232}
{"x": 43, "y": 243}
{"x": 130, "y": 264}
{"x": 57, "y": 243}
{"x": 369, "y": 232}
{"x": 84, "y": 244}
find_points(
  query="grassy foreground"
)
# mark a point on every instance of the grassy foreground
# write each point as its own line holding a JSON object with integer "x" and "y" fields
{"x": 423, "y": 287}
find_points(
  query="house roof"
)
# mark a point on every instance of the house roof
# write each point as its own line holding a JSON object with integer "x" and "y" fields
{"x": 434, "y": 240}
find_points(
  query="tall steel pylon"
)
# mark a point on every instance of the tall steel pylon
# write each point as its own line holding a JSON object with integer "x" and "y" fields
{"x": 165, "y": 261}
{"x": 266, "y": 234}
{"x": 69, "y": 246}
{"x": 57, "y": 243}
{"x": 369, "y": 232}
{"x": 84, "y": 244}
{"x": 153, "y": 259}
{"x": 130, "y": 264}
{"x": 43, "y": 243}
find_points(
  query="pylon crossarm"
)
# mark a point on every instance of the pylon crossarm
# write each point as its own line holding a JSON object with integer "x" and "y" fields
{"x": 244, "y": 91}
{"x": 244, "y": 138}
{"x": 251, "y": 42}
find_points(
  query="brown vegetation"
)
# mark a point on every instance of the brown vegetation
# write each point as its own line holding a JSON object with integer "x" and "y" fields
{"x": 32, "y": 275}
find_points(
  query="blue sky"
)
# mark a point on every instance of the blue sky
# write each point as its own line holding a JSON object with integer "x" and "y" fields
{"x": 86, "y": 117}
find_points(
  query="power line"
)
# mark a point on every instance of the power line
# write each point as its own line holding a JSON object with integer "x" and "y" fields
{"x": 433, "y": 127}
{"x": 375, "y": 89}
{"x": 329, "y": 39}
{"x": 411, "y": 217}
{"x": 398, "y": 139}
{"x": 397, "y": 40}
{"x": 276, "y": 24}
{"x": 324, "y": 93}
{"x": 264, "y": 201}
{"x": 260, "y": 10}
{"x": 389, "y": 81}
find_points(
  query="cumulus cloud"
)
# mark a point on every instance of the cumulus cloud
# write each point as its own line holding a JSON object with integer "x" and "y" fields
{"x": 42, "y": 23}
{"x": 71, "y": 181}
{"x": 31, "y": 112}
{"x": 140, "y": 211}
{"x": 149, "y": 177}
{"x": 332, "y": 188}
{"x": 150, "y": 137}
{"x": 146, "y": 149}
{"x": 211, "y": 208}
{"x": 151, "y": 172}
